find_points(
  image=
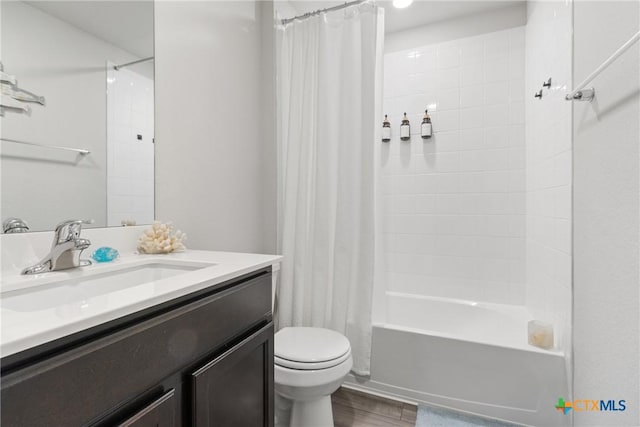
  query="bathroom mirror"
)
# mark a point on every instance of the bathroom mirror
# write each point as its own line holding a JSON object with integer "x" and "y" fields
{"x": 78, "y": 125}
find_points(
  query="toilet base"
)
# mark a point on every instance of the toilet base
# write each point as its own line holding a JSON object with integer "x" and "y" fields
{"x": 312, "y": 413}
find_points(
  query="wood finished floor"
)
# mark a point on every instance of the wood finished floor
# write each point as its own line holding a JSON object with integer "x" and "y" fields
{"x": 356, "y": 409}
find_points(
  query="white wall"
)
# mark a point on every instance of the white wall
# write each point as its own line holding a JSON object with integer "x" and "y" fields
{"x": 548, "y": 135}
{"x": 467, "y": 26}
{"x": 68, "y": 67}
{"x": 269, "y": 162}
{"x": 454, "y": 205}
{"x": 210, "y": 146}
{"x": 607, "y": 214}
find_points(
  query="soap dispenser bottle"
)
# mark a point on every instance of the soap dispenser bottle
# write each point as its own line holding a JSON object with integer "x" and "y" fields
{"x": 405, "y": 130}
{"x": 426, "y": 130}
{"x": 386, "y": 130}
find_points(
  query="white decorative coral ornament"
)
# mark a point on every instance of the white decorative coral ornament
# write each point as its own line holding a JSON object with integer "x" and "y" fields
{"x": 161, "y": 239}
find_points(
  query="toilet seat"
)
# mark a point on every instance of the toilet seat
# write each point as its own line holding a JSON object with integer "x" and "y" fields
{"x": 304, "y": 348}
{"x": 307, "y": 366}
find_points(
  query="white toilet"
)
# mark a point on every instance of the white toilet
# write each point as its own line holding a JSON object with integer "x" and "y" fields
{"x": 310, "y": 364}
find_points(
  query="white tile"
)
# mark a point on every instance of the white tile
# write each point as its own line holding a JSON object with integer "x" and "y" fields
{"x": 447, "y": 121}
{"x": 448, "y": 55}
{"x": 456, "y": 204}
{"x": 516, "y": 65}
{"x": 496, "y": 115}
{"x": 446, "y": 141}
{"x": 426, "y": 81}
{"x": 416, "y": 104}
{"x": 562, "y": 169}
{"x": 516, "y": 113}
{"x": 448, "y": 162}
{"x": 405, "y": 85}
{"x": 495, "y": 160}
{"x": 426, "y": 59}
{"x": 495, "y": 182}
{"x": 448, "y": 99}
{"x": 470, "y": 139}
{"x": 426, "y": 184}
{"x": 471, "y": 118}
{"x": 448, "y": 183}
{"x": 472, "y": 74}
{"x": 496, "y": 93}
{"x": 496, "y": 70}
{"x": 448, "y": 78}
{"x": 516, "y": 90}
{"x": 496, "y": 137}
{"x": 517, "y": 136}
{"x": 471, "y": 96}
{"x": 517, "y": 158}
{"x": 425, "y": 203}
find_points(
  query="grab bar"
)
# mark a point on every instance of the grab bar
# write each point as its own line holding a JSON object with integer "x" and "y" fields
{"x": 55, "y": 147}
{"x": 579, "y": 93}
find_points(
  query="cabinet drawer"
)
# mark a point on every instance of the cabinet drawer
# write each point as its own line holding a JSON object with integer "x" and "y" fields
{"x": 87, "y": 382}
{"x": 160, "y": 413}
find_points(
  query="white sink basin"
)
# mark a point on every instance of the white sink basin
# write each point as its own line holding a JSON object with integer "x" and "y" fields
{"x": 77, "y": 292}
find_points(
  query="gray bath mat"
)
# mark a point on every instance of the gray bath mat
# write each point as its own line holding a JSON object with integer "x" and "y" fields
{"x": 431, "y": 416}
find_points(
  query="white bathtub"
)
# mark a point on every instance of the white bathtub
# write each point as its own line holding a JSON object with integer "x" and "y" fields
{"x": 467, "y": 356}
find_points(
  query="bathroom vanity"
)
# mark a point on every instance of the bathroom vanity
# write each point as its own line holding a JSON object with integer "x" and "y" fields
{"x": 177, "y": 340}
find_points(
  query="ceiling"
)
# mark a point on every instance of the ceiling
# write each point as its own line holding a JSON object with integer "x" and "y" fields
{"x": 421, "y": 12}
{"x": 129, "y": 24}
{"x": 126, "y": 24}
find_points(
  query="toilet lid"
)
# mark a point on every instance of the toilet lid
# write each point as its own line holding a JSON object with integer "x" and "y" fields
{"x": 310, "y": 345}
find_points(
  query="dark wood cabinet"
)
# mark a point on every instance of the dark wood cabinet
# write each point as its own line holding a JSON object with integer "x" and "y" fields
{"x": 235, "y": 388}
{"x": 205, "y": 359}
{"x": 160, "y": 413}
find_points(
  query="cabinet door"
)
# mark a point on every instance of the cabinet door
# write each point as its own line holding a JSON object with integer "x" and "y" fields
{"x": 160, "y": 413}
{"x": 236, "y": 388}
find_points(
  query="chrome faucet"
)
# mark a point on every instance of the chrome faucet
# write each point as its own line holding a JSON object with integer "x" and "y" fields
{"x": 65, "y": 250}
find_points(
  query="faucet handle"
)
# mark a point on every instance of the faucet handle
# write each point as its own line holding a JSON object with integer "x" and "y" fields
{"x": 69, "y": 230}
{"x": 14, "y": 225}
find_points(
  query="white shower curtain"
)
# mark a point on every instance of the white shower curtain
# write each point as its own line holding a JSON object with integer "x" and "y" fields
{"x": 329, "y": 91}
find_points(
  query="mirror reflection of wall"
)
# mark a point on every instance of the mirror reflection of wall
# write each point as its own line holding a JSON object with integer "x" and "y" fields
{"x": 62, "y": 50}
{"x": 130, "y": 139}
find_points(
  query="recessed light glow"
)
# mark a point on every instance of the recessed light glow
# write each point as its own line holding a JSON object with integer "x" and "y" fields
{"x": 401, "y": 4}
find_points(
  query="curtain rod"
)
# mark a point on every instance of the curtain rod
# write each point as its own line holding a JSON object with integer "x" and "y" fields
{"x": 328, "y": 9}
{"x": 576, "y": 93}
{"x": 117, "y": 67}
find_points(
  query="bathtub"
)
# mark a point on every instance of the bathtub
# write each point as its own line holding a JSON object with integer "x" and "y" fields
{"x": 467, "y": 356}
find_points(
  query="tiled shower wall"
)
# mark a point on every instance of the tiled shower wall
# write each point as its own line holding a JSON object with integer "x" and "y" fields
{"x": 130, "y": 155}
{"x": 454, "y": 205}
{"x": 549, "y": 166}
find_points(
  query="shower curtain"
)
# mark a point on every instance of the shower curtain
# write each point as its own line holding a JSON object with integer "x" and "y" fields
{"x": 329, "y": 83}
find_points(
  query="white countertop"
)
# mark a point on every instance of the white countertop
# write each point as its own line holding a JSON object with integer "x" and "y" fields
{"x": 30, "y": 325}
